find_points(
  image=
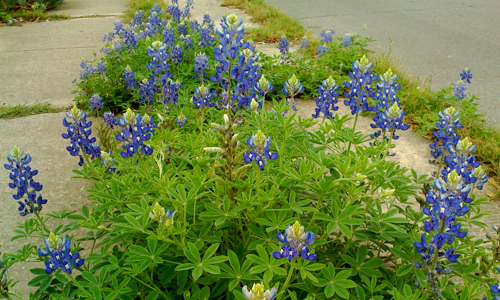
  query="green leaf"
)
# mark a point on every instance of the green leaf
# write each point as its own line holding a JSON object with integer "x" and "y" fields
{"x": 133, "y": 221}
{"x": 192, "y": 253}
{"x": 210, "y": 251}
{"x": 197, "y": 273}
{"x": 403, "y": 270}
{"x": 211, "y": 269}
{"x": 183, "y": 267}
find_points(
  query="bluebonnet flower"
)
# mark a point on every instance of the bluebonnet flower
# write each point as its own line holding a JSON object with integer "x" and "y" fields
{"x": 101, "y": 68}
{"x": 174, "y": 10}
{"x": 181, "y": 119}
{"x": 327, "y": 35}
{"x": 446, "y": 135}
{"x": 109, "y": 119}
{"x": 79, "y": 132}
{"x": 158, "y": 54}
{"x": 164, "y": 218}
{"x": 107, "y": 161}
{"x": 96, "y": 102}
{"x": 259, "y": 149}
{"x": 169, "y": 35}
{"x": 292, "y": 88}
{"x": 322, "y": 49}
{"x": 347, "y": 40}
{"x": 295, "y": 242}
{"x": 60, "y": 256}
{"x": 207, "y": 39}
{"x": 258, "y": 293}
{"x": 304, "y": 43}
{"x": 137, "y": 19}
{"x": 495, "y": 289}
{"x": 177, "y": 54}
{"x": 389, "y": 114}
{"x": 466, "y": 75}
{"x": 283, "y": 46}
{"x": 202, "y": 97}
{"x": 187, "y": 41}
{"x": 12, "y": 21}
{"x": 255, "y": 105}
{"x": 147, "y": 90}
{"x": 170, "y": 91}
{"x": 86, "y": 69}
{"x": 263, "y": 86}
{"x": 186, "y": 13}
{"x": 200, "y": 65}
{"x": 359, "y": 86}
{"x": 327, "y": 98}
{"x": 129, "y": 37}
{"x": 135, "y": 130}
{"x": 22, "y": 180}
{"x": 459, "y": 90}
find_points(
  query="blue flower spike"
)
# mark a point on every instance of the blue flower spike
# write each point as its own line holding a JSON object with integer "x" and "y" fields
{"x": 295, "y": 242}
{"x": 22, "y": 175}
{"x": 258, "y": 292}
{"x": 164, "y": 218}
{"x": 78, "y": 133}
{"x": 60, "y": 256}
{"x": 259, "y": 145}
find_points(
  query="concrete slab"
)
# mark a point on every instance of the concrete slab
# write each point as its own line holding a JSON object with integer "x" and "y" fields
{"x": 78, "y": 8}
{"x": 38, "y": 61}
{"x": 40, "y": 136}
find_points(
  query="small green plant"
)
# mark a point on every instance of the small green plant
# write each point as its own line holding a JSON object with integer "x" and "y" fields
{"x": 9, "y": 112}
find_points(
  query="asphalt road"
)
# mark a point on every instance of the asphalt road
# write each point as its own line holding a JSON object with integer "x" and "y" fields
{"x": 433, "y": 39}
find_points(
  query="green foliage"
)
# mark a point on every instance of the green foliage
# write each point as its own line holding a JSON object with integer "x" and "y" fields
{"x": 38, "y": 5}
{"x": 9, "y": 112}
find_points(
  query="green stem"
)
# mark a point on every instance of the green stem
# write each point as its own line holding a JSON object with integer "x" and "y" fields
{"x": 353, "y": 129}
{"x": 287, "y": 282}
{"x": 258, "y": 182}
{"x": 80, "y": 286}
{"x": 42, "y": 223}
{"x": 154, "y": 287}
{"x": 388, "y": 145}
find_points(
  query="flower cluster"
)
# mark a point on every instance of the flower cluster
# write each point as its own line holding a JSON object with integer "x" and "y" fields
{"x": 96, "y": 102}
{"x": 135, "y": 130}
{"x": 304, "y": 43}
{"x": 389, "y": 114}
{"x": 495, "y": 289}
{"x": 181, "y": 119}
{"x": 446, "y": 137}
{"x": 200, "y": 65}
{"x": 258, "y": 293}
{"x": 460, "y": 87}
{"x": 359, "y": 89}
{"x": 292, "y": 88}
{"x": 202, "y": 96}
{"x": 22, "y": 180}
{"x": 295, "y": 241}
{"x": 283, "y": 46}
{"x": 60, "y": 256}
{"x": 347, "y": 40}
{"x": 79, "y": 132}
{"x": 448, "y": 199}
{"x": 164, "y": 218}
{"x": 327, "y": 99}
{"x": 327, "y": 35}
{"x": 259, "y": 152}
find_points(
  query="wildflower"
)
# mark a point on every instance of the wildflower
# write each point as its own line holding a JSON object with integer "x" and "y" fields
{"x": 322, "y": 49}
{"x": 96, "y": 102}
{"x": 295, "y": 242}
{"x": 170, "y": 90}
{"x": 202, "y": 97}
{"x": 446, "y": 137}
{"x": 181, "y": 120}
{"x": 60, "y": 256}
{"x": 79, "y": 135}
{"x": 359, "y": 86}
{"x": 135, "y": 130}
{"x": 347, "y": 40}
{"x": 201, "y": 64}
{"x": 109, "y": 119}
{"x": 293, "y": 86}
{"x": 385, "y": 194}
{"x": 159, "y": 215}
{"x": 466, "y": 75}
{"x": 158, "y": 54}
{"x": 255, "y": 105}
{"x": 327, "y": 98}
{"x": 259, "y": 145}
{"x": 283, "y": 46}
{"x": 22, "y": 180}
{"x": 304, "y": 43}
{"x": 459, "y": 90}
{"x": 257, "y": 292}
{"x": 327, "y": 35}
{"x": 358, "y": 178}
{"x": 148, "y": 90}
{"x": 107, "y": 161}
{"x": 263, "y": 86}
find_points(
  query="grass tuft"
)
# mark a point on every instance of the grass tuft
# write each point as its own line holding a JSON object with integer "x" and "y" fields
{"x": 10, "y": 112}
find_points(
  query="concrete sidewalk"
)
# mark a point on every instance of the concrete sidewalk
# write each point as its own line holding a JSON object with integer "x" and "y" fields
{"x": 38, "y": 61}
